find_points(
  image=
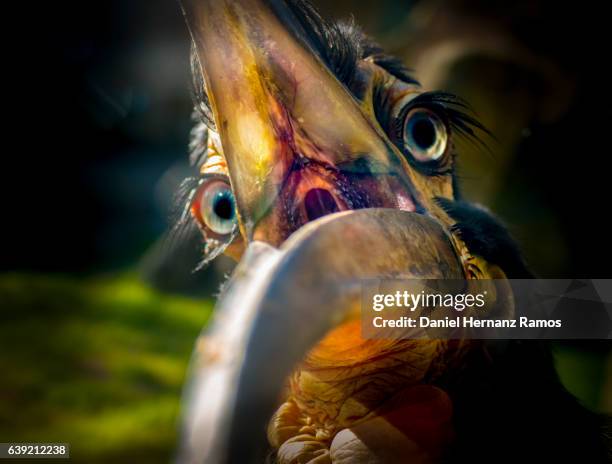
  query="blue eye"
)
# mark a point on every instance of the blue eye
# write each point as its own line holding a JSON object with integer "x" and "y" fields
{"x": 425, "y": 135}
{"x": 217, "y": 207}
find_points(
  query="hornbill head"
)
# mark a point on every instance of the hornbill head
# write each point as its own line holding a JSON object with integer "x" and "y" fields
{"x": 320, "y": 162}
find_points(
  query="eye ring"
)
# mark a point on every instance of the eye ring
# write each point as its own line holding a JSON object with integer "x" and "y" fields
{"x": 214, "y": 207}
{"x": 424, "y": 135}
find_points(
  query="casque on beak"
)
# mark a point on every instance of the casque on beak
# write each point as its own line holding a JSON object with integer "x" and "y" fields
{"x": 296, "y": 142}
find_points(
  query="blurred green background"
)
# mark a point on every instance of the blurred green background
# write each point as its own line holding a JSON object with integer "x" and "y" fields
{"x": 98, "y": 325}
{"x": 98, "y": 363}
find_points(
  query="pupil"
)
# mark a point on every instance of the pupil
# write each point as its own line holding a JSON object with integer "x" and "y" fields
{"x": 423, "y": 133}
{"x": 224, "y": 207}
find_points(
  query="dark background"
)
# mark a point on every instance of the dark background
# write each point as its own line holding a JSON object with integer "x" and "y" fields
{"x": 95, "y": 116}
{"x": 97, "y": 104}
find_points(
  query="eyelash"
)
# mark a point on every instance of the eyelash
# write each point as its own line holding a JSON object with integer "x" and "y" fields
{"x": 183, "y": 220}
{"x": 453, "y": 111}
{"x": 183, "y": 199}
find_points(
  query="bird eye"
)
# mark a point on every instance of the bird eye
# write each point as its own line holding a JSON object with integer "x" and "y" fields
{"x": 215, "y": 207}
{"x": 424, "y": 135}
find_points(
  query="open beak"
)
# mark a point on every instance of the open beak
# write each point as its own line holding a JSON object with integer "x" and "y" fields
{"x": 298, "y": 145}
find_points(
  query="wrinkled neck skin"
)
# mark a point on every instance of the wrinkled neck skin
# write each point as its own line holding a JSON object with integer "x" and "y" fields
{"x": 354, "y": 400}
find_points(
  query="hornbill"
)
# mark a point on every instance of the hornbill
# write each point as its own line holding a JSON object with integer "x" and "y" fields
{"x": 321, "y": 162}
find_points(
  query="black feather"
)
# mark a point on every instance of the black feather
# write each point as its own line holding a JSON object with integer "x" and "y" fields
{"x": 340, "y": 45}
{"x": 337, "y": 44}
{"x": 391, "y": 64}
{"x": 198, "y": 142}
{"x": 485, "y": 236}
{"x": 200, "y": 97}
